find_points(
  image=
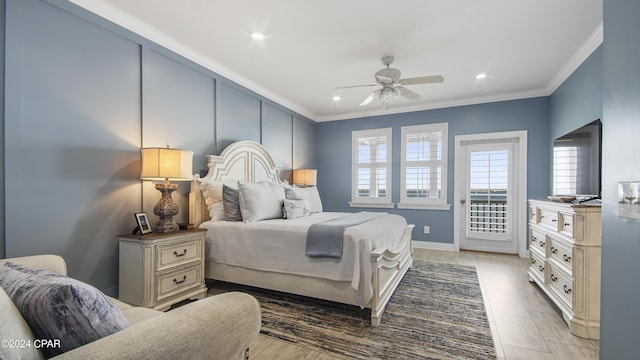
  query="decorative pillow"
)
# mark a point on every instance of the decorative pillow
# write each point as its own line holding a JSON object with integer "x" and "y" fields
{"x": 211, "y": 191}
{"x": 231, "y": 203}
{"x": 260, "y": 201}
{"x": 13, "y": 327}
{"x": 310, "y": 194}
{"x": 59, "y": 308}
{"x": 216, "y": 211}
{"x": 292, "y": 209}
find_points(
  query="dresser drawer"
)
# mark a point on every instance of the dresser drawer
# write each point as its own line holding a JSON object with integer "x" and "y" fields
{"x": 562, "y": 253}
{"x": 561, "y": 284}
{"x": 549, "y": 218}
{"x": 538, "y": 241}
{"x": 178, "y": 280}
{"x": 174, "y": 254}
{"x": 537, "y": 266}
{"x": 565, "y": 224}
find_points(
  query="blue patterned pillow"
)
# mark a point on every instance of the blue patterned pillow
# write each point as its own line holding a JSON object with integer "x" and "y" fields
{"x": 57, "y": 307}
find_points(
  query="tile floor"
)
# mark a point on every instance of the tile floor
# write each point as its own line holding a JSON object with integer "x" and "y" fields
{"x": 525, "y": 324}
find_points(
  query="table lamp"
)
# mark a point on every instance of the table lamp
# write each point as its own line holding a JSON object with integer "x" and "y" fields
{"x": 165, "y": 164}
{"x": 305, "y": 177}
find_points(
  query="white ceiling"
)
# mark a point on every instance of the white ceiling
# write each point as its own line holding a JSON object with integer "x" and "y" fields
{"x": 312, "y": 47}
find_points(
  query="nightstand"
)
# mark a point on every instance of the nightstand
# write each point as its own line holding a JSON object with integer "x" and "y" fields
{"x": 158, "y": 270}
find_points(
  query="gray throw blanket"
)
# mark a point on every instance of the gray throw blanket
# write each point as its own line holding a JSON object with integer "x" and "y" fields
{"x": 325, "y": 239}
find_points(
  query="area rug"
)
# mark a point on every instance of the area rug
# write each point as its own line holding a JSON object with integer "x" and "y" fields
{"x": 437, "y": 312}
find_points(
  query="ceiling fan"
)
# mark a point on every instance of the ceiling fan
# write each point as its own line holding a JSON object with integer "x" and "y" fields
{"x": 392, "y": 85}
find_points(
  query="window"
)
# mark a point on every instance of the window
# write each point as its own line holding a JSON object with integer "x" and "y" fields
{"x": 424, "y": 167}
{"x": 371, "y": 168}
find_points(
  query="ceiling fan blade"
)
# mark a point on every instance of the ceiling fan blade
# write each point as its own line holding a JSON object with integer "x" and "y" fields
{"x": 370, "y": 98}
{"x": 411, "y": 95}
{"x": 355, "y": 86}
{"x": 384, "y": 79}
{"x": 422, "y": 80}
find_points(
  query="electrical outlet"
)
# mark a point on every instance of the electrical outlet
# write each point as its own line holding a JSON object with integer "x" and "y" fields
{"x": 426, "y": 229}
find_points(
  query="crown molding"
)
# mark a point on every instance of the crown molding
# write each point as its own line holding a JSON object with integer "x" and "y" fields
{"x": 139, "y": 27}
{"x": 588, "y": 47}
{"x": 147, "y": 31}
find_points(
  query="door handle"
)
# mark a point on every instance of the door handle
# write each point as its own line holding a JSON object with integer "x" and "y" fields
{"x": 463, "y": 201}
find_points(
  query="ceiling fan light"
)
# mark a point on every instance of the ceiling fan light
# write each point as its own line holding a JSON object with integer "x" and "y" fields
{"x": 255, "y": 35}
{"x": 481, "y": 76}
{"x": 337, "y": 98}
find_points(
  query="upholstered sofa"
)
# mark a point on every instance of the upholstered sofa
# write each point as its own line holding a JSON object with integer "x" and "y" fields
{"x": 217, "y": 327}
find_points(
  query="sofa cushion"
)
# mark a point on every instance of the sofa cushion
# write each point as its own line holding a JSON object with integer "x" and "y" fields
{"x": 14, "y": 329}
{"x": 68, "y": 312}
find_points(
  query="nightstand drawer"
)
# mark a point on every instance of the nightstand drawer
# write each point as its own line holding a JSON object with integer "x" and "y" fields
{"x": 171, "y": 255}
{"x": 178, "y": 280}
{"x": 537, "y": 266}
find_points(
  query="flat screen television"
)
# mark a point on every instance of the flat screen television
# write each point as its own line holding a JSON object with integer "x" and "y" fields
{"x": 577, "y": 162}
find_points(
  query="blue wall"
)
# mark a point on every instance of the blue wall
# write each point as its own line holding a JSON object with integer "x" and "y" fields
{"x": 334, "y": 153}
{"x": 82, "y": 96}
{"x": 620, "y": 315}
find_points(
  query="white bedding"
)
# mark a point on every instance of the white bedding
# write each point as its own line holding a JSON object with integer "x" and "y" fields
{"x": 278, "y": 245}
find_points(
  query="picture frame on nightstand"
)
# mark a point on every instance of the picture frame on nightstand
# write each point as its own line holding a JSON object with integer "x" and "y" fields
{"x": 143, "y": 222}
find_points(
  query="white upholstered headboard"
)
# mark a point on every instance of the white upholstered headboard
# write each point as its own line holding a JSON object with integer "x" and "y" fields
{"x": 242, "y": 160}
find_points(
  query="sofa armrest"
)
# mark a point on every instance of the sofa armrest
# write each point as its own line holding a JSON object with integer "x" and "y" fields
{"x": 53, "y": 263}
{"x": 217, "y": 327}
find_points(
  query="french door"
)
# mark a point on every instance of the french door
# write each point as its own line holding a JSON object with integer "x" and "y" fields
{"x": 488, "y": 200}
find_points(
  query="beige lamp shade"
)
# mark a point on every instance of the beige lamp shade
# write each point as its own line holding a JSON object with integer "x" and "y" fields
{"x": 306, "y": 177}
{"x": 166, "y": 164}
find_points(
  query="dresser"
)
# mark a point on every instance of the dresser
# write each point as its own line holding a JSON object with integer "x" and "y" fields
{"x": 158, "y": 270}
{"x": 564, "y": 254}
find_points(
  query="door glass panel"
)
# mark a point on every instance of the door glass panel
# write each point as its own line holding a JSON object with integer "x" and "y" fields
{"x": 488, "y": 190}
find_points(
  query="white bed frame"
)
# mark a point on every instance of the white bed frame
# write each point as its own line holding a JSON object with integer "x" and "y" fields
{"x": 250, "y": 161}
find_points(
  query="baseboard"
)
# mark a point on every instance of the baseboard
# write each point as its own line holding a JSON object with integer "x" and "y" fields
{"x": 430, "y": 245}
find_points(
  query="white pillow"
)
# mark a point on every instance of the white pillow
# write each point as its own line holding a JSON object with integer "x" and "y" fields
{"x": 260, "y": 201}
{"x": 216, "y": 211}
{"x": 310, "y": 194}
{"x": 211, "y": 191}
{"x": 292, "y": 209}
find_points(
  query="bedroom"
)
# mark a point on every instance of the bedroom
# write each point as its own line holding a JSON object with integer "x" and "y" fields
{"x": 80, "y": 169}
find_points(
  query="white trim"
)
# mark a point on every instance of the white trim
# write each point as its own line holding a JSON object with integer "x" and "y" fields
{"x": 372, "y": 201}
{"x": 588, "y": 47}
{"x": 418, "y": 203}
{"x": 430, "y": 245}
{"x": 370, "y": 205}
{"x": 522, "y": 214}
{"x": 424, "y": 207}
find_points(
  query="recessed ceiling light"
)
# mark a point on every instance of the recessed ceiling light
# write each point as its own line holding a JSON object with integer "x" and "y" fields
{"x": 481, "y": 76}
{"x": 257, "y": 35}
{"x": 337, "y": 98}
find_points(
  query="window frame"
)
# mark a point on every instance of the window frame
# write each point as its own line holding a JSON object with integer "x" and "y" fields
{"x": 439, "y": 203}
{"x": 377, "y": 202}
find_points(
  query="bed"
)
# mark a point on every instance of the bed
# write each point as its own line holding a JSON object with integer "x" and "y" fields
{"x": 270, "y": 253}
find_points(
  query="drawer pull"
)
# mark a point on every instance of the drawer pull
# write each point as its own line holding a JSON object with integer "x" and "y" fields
{"x": 566, "y": 258}
{"x": 567, "y": 290}
{"x": 567, "y": 224}
{"x": 542, "y": 243}
{"x": 553, "y": 277}
{"x": 541, "y": 216}
{"x": 180, "y": 255}
{"x": 534, "y": 238}
{"x": 541, "y": 268}
{"x": 554, "y": 250}
{"x": 554, "y": 220}
{"x": 533, "y": 261}
{"x": 178, "y": 282}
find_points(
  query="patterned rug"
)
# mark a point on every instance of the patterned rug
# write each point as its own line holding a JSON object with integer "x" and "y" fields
{"x": 437, "y": 312}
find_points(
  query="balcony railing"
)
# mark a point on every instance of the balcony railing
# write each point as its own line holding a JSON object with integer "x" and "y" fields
{"x": 488, "y": 214}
